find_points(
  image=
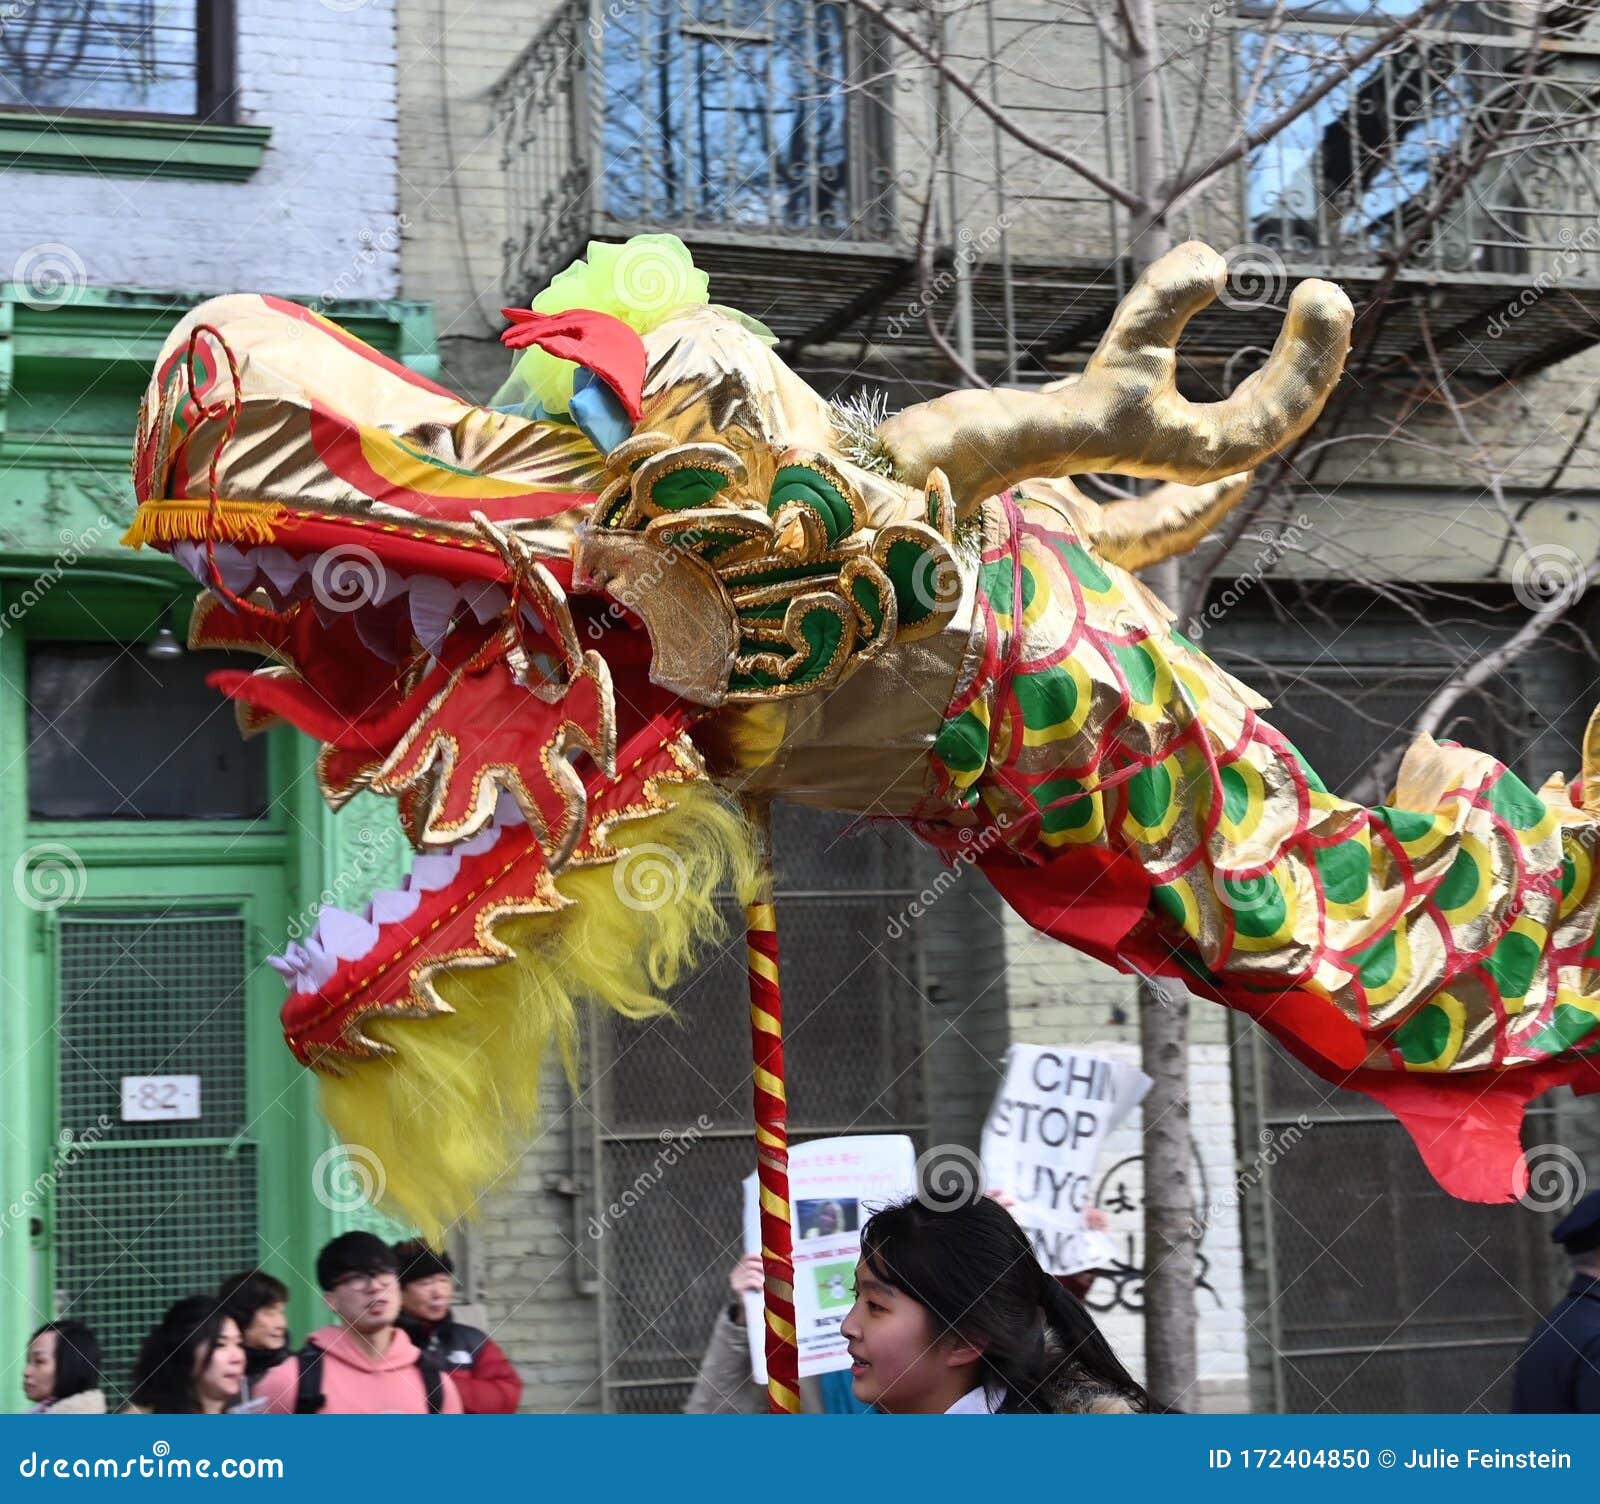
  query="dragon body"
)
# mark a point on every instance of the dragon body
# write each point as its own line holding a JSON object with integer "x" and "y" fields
{"x": 560, "y": 646}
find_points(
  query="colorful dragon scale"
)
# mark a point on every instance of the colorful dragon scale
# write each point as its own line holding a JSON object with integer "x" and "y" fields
{"x": 559, "y": 644}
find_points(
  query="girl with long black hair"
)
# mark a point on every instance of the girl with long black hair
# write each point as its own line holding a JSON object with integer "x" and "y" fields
{"x": 954, "y": 1315}
{"x": 191, "y": 1363}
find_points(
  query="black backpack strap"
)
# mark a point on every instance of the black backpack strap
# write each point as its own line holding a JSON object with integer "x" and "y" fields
{"x": 432, "y": 1382}
{"x": 309, "y": 1398}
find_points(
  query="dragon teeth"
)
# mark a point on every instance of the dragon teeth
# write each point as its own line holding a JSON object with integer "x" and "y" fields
{"x": 485, "y": 600}
{"x": 346, "y": 936}
{"x": 193, "y": 558}
{"x": 238, "y": 570}
{"x": 433, "y": 602}
{"x": 279, "y": 566}
{"x": 391, "y": 906}
{"x": 320, "y": 964}
{"x": 343, "y": 936}
{"x": 391, "y": 587}
{"x": 507, "y": 811}
{"x": 430, "y": 873}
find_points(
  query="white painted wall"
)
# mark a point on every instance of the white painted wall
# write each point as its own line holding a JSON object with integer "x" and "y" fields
{"x": 319, "y": 219}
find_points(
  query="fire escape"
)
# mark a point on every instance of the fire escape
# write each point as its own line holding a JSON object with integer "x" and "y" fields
{"x": 1457, "y": 173}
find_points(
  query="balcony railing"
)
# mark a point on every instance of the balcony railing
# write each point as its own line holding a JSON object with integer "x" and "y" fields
{"x": 1463, "y": 167}
{"x": 1470, "y": 156}
{"x": 759, "y": 120}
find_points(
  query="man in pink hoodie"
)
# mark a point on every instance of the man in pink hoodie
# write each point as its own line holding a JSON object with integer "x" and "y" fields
{"x": 365, "y": 1365}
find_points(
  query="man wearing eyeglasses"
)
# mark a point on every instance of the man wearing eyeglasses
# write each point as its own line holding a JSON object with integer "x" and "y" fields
{"x": 365, "y": 1364}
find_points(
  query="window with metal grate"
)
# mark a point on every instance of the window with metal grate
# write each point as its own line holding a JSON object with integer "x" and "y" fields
{"x": 146, "y": 1212}
{"x": 856, "y": 1063}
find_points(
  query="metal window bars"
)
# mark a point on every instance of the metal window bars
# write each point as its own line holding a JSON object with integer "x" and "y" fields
{"x": 756, "y": 119}
{"x": 169, "y": 58}
{"x": 1469, "y": 155}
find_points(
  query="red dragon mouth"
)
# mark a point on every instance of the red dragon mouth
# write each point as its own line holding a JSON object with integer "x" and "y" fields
{"x": 401, "y": 558}
{"x": 471, "y": 704}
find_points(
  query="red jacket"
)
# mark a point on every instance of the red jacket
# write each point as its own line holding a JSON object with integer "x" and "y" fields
{"x": 481, "y": 1372}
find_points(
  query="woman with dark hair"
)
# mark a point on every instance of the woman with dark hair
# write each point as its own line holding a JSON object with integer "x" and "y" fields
{"x": 191, "y": 1364}
{"x": 61, "y": 1374}
{"x": 260, "y": 1305}
{"x": 954, "y": 1315}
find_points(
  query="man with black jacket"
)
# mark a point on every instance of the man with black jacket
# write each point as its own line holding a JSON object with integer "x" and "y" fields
{"x": 482, "y": 1373}
{"x": 1559, "y": 1370}
{"x": 260, "y": 1305}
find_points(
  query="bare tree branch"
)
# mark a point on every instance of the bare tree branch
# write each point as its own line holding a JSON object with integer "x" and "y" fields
{"x": 1070, "y": 160}
{"x": 1173, "y": 195}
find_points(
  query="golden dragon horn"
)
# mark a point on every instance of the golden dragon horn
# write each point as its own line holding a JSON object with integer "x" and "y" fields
{"x": 1124, "y": 414}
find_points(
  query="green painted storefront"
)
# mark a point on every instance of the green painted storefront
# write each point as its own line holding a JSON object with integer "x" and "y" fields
{"x": 151, "y": 861}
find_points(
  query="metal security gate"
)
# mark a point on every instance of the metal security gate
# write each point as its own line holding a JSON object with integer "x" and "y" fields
{"x": 1377, "y": 1291}
{"x": 671, "y": 1099}
{"x": 146, "y": 1212}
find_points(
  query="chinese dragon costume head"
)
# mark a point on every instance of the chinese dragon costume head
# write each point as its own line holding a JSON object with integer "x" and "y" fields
{"x": 564, "y": 631}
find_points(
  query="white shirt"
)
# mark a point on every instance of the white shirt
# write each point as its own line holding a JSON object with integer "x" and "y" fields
{"x": 976, "y": 1402}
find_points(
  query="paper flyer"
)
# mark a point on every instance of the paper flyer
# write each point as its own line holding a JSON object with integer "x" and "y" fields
{"x": 1050, "y": 1117}
{"x": 835, "y": 1184}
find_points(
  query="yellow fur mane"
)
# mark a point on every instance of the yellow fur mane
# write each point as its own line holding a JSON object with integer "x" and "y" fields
{"x": 443, "y": 1118}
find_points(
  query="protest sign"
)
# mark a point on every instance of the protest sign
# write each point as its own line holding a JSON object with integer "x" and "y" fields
{"x": 1050, "y": 1117}
{"x": 835, "y": 1184}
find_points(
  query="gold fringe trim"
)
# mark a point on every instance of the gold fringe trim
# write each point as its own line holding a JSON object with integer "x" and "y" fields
{"x": 171, "y": 521}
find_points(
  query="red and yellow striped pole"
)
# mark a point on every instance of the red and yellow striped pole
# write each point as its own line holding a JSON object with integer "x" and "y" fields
{"x": 772, "y": 1128}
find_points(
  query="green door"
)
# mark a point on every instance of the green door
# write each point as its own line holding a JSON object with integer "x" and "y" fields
{"x": 160, "y": 1137}
{"x": 169, "y": 1119}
